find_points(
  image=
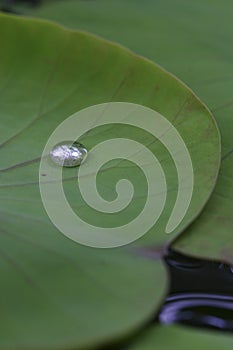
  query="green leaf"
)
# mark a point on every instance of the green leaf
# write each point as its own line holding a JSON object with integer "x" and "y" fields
{"x": 176, "y": 337}
{"x": 55, "y": 293}
{"x": 193, "y": 40}
{"x": 58, "y": 295}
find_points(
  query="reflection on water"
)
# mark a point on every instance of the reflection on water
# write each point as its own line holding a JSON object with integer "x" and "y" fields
{"x": 201, "y": 293}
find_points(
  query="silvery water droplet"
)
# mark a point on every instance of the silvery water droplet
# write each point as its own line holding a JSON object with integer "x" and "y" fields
{"x": 68, "y": 154}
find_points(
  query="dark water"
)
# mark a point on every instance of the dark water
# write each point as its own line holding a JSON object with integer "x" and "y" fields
{"x": 201, "y": 293}
{"x": 8, "y": 5}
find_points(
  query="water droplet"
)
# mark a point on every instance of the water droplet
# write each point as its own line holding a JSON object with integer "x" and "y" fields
{"x": 68, "y": 154}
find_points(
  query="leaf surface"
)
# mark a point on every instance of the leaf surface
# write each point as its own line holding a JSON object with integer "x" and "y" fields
{"x": 55, "y": 293}
{"x": 193, "y": 41}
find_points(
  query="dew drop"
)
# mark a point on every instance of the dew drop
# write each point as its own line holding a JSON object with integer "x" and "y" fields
{"x": 68, "y": 154}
